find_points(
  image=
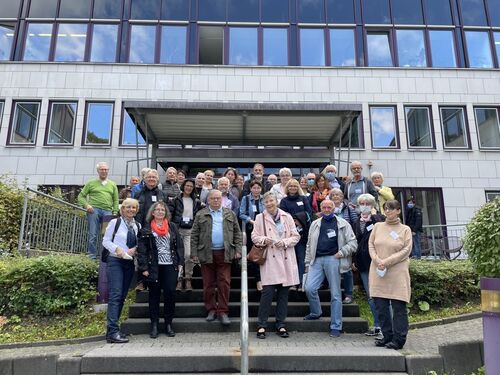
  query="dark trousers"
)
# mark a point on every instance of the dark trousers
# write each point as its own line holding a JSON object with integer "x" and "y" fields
{"x": 216, "y": 275}
{"x": 394, "y": 328}
{"x": 119, "y": 273}
{"x": 266, "y": 299}
{"x": 167, "y": 280}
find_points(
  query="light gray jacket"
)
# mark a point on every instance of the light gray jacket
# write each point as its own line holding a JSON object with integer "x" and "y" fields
{"x": 346, "y": 240}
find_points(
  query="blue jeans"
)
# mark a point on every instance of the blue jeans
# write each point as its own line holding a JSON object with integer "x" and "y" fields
{"x": 95, "y": 220}
{"x": 416, "y": 251}
{"x": 120, "y": 273}
{"x": 300, "y": 253}
{"x": 348, "y": 282}
{"x": 364, "y": 279}
{"x": 328, "y": 266}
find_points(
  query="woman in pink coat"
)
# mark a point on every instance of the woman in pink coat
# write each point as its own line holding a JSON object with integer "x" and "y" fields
{"x": 280, "y": 270}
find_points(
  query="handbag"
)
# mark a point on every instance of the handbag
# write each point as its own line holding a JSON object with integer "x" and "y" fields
{"x": 258, "y": 253}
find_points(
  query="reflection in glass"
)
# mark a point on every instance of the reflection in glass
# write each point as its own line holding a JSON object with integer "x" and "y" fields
{"x": 129, "y": 136}
{"x": 438, "y": 12}
{"x": 488, "y": 127}
{"x": 1, "y": 112}
{"x": 340, "y": 11}
{"x": 74, "y": 9}
{"x": 70, "y": 44}
{"x": 6, "y": 37}
{"x": 62, "y": 123}
{"x": 473, "y": 12}
{"x": 99, "y": 120}
{"x": 453, "y": 123}
{"x": 25, "y": 123}
{"x": 376, "y": 11}
{"x": 275, "y": 10}
{"x": 38, "y": 42}
{"x": 497, "y": 45}
{"x": 342, "y": 47}
{"x": 104, "y": 39}
{"x": 142, "y": 44}
{"x": 418, "y": 127}
{"x": 478, "y": 49}
{"x": 43, "y": 8}
{"x": 494, "y": 10}
{"x": 243, "y": 46}
{"x": 312, "y": 47}
{"x": 379, "y": 51}
{"x": 411, "y": 48}
{"x": 275, "y": 49}
{"x": 442, "y": 49}
{"x": 175, "y": 10}
{"x": 243, "y": 10}
{"x": 173, "y": 45}
{"x": 107, "y": 9}
{"x": 311, "y": 11}
{"x": 408, "y": 12}
{"x": 145, "y": 9}
{"x": 9, "y": 8}
{"x": 212, "y": 10}
{"x": 383, "y": 127}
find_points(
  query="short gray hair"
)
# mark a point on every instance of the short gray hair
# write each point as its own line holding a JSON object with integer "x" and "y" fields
{"x": 222, "y": 179}
{"x": 270, "y": 194}
{"x": 285, "y": 171}
{"x": 377, "y": 174}
{"x": 367, "y": 198}
{"x": 336, "y": 190}
{"x": 101, "y": 164}
{"x": 144, "y": 171}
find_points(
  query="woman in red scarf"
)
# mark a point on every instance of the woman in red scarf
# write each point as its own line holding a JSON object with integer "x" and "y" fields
{"x": 320, "y": 191}
{"x": 160, "y": 254}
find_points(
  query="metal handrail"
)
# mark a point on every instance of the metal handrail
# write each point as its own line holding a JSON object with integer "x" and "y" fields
{"x": 244, "y": 304}
{"x": 57, "y": 199}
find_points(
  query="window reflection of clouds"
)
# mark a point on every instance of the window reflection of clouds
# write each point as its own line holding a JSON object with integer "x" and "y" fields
{"x": 145, "y": 9}
{"x": 38, "y": 42}
{"x": 175, "y": 10}
{"x": 383, "y": 127}
{"x": 411, "y": 48}
{"x": 312, "y": 47}
{"x": 275, "y": 47}
{"x": 379, "y": 52}
{"x": 104, "y": 39}
{"x": 43, "y": 8}
{"x": 129, "y": 131}
{"x": 478, "y": 49}
{"x": 342, "y": 47}
{"x": 173, "y": 44}
{"x": 243, "y": 46}
{"x": 6, "y": 37}
{"x": 142, "y": 44}
{"x": 74, "y": 9}
{"x": 376, "y": 11}
{"x": 473, "y": 12}
{"x": 497, "y": 45}
{"x": 442, "y": 48}
{"x": 107, "y": 9}
{"x": 99, "y": 123}
{"x": 70, "y": 44}
{"x": 311, "y": 10}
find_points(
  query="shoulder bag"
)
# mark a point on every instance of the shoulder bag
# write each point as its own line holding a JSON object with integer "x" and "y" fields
{"x": 258, "y": 253}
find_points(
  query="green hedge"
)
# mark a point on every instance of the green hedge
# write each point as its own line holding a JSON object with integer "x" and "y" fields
{"x": 46, "y": 285}
{"x": 11, "y": 203}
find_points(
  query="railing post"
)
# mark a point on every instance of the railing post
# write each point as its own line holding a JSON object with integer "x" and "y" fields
{"x": 73, "y": 231}
{"x": 23, "y": 222}
{"x": 244, "y": 304}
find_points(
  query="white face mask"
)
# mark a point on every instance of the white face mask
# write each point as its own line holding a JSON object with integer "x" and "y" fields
{"x": 381, "y": 273}
{"x": 364, "y": 209}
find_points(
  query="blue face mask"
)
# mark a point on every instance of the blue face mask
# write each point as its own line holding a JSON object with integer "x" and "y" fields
{"x": 310, "y": 182}
{"x": 410, "y": 205}
{"x": 328, "y": 217}
{"x": 331, "y": 176}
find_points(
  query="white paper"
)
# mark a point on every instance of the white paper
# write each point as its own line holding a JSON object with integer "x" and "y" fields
{"x": 254, "y": 208}
{"x": 153, "y": 198}
{"x": 369, "y": 228}
{"x": 300, "y": 203}
{"x": 381, "y": 273}
{"x": 331, "y": 234}
{"x": 186, "y": 219}
{"x": 394, "y": 235}
{"x": 357, "y": 191}
{"x": 127, "y": 257}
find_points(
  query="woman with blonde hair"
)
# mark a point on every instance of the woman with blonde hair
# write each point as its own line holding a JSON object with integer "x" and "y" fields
{"x": 384, "y": 192}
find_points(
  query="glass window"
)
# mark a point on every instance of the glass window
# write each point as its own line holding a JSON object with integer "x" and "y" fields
{"x": 145, "y": 9}
{"x": 488, "y": 127}
{"x": 104, "y": 39}
{"x": 74, "y": 9}
{"x": 99, "y": 123}
{"x": 129, "y": 136}
{"x": 211, "y": 45}
{"x": 356, "y": 131}
{"x": 340, "y": 11}
{"x": 383, "y": 123}
{"x": 478, "y": 49}
{"x": 497, "y": 45}
{"x": 311, "y": 11}
{"x": 107, "y": 9}
{"x": 491, "y": 195}
{"x": 242, "y": 46}
{"x": 9, "y": 8}
{"x": 418, "y": 127}
{"x": 38, "y": 42}
{"x": 408, "y": 12}
{"x": 142, "y": 44}
{"x": 275, "y": 10}
{"x": 70, "y": 44}
{"x": 243, "y": 10}
{"x": 173, "y": 45}
{"x": 312, "y": 47}
{"x": 43, "y": 8}
{"x": 453, "y": 127}
{"x": 275, "y": 48}
{"x": 175, "y": 10}
{"x": 1, "y": 112}
{"x": 376, "y": 11}
{"x": 342, "y": 49}
{"x": 411, "y": 48}
{"x": 212, "y": 10}
{"x": 62, "y": 123}
{"x": 25, "y": 123}
{"x": 379, "y": 50}
{"x": 438, "y": 12}
{"x": 473, "y": 12}
{"x": 6, "y": 38}
{"x": 442, "y": 49}
{"x": 494, "y": 11}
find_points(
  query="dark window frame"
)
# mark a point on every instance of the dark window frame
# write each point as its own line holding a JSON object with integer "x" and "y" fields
{"x": 11, "y": 123}
{"x": 431, "y": 127}
{"x": 122, "y": 130}
{"x": 85, "y": 126}
{"x": 489, "y": 192}
{"x": 49, "y": 124}
{"x": 396, "y": 127}
{"x": 392, "y": 47}
{"x": 497, "y": 111}
{"x": 466, "y": 128}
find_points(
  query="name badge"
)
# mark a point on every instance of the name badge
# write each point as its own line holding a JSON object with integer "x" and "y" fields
{"x": 357, "y": 191}
{"x": 394, "y": 235}
{"x": 254, "y": 208}
{"x": 153, "y": 198}
{"x": 369, "y": 228}
{"x": 186, "y": 219}
{"x": 300, "y": 203}
{"x": 331, "y": 234}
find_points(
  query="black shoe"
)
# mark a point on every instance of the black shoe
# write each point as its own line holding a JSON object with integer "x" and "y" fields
{"x": 169, "y": 330}
{"x": 381, "y": 342}
{"x": 282, "y": 332}
{"x": 393, "y": 345}
{"x": 154, "y": 330}
{"x": 115, "y": 338}
{"x": 261, "y": 333}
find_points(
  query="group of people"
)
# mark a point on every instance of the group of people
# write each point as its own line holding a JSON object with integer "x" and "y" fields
{"x": 314, "y": 228}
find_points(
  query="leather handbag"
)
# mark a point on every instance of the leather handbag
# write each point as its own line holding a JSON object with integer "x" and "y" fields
{"x": 258, "y": 253}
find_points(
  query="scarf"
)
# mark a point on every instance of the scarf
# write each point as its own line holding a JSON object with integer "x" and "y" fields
{"x": 319, "y": 197}
{"x": 393, "y": 222}
{"x": 160, "y": 231}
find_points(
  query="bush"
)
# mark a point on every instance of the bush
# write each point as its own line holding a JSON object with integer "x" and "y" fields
{"x": 46, "y": 285}
{"x": 11, "y": 202}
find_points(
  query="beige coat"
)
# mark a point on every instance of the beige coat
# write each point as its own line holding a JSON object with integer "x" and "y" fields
{"x": 390, "y": 243}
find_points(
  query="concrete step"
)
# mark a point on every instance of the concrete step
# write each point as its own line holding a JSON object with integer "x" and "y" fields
{"x": 196, "y": 309}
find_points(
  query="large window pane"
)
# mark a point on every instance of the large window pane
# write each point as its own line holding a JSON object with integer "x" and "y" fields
{"x": 107, "y": 9}
{"x": 62, "y": 123}
{"x": 442, "y": 48}
{"x": 275, "y": 48}
{"x": 473, "y": 12}
{"x": 453, "y": 127}
{"x": 418, "y": 127}
{"x": 173, "y": 45}
{"x": 25, "y": 124}
{"x": 407, "y": 12}
{"x": 98, "y": 125}
{"x": 243, "y": 10}
{"x": 9, "y": 8}
{"x": 478, "y": 49}
{"x": 130, "y": 136}
{"x": 145, "y": 9}
{"x": 275, "y": 10}
{"x": 43, "y": 8}
{"x": 6, "y": 37}
{"x": 488, "y": 127}
{"x": 376, "y": 11}
{"x": 104, "y": 39}
{"x": 497, "y": 45}
{"x": 383, "y": 124}
{"x": 340, "y": 11}
{"x": 38, "y": 42}
{"x": 70, "y": 44}
{"x": 311, "y": 11}
{"x": 211, "y": 45}
{"x": 242, "y": 46}
{"x": 74, "y": 9}
{"x": 494, "y": 10}
{"x": 411, "y": 48}
{"x": 212, "y": 10}
{"x": 142, "y": 44}
{"x": 438, "y": 12}
{"x": 175, "y": 10}
{"x": 342, "y": 50}
{"x": 312, "y": 47}
{"x": 379, "y": 50}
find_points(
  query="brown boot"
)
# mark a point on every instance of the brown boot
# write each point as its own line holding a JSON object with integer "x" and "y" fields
{"x": 179, "y": 285}
{"x": 189, "y": 286}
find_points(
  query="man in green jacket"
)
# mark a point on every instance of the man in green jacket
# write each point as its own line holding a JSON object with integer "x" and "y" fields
{"x": 100, "y": 198}
{"x": 215, "y": 241}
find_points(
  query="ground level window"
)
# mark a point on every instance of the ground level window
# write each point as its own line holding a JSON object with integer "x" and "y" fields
{"x": 492, "y": 194}
{"x": 25, "y": 123}
{"x": 98, "y": 124}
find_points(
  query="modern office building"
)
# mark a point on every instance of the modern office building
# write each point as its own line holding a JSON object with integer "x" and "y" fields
{"x": 409, "y": 87}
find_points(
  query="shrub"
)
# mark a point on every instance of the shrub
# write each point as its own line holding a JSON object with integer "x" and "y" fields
{"x": 46, "y": 285}
{"x": 11, "y": 202}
